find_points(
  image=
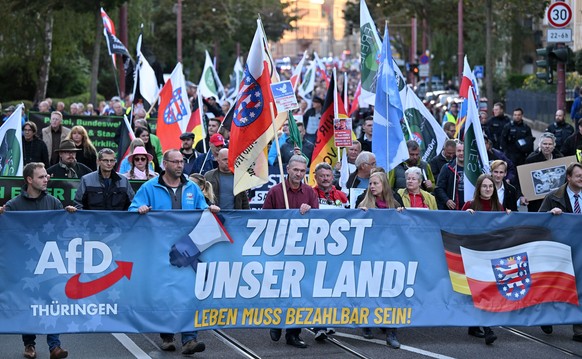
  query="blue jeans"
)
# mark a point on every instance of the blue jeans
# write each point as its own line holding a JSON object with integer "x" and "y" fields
{"x": 51, "y": 339}
{"x": 186, "y": 336}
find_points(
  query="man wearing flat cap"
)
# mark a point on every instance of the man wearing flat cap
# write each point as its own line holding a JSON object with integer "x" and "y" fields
{"x": 68, "y": 167}
{"x": 188, "y": 152}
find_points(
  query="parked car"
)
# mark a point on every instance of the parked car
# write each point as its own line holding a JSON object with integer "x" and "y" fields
{"x": 421, "y": 87}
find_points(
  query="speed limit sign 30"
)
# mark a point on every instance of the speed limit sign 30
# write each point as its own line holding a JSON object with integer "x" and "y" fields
{"x": 559, "y": 14}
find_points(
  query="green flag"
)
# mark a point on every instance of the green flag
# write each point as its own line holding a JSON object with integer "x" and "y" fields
{"x": 370, "y": 46}
{"x": 294, "y": 134}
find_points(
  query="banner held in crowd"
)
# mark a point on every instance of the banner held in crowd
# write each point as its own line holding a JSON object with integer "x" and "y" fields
{"x": 280, "y": 269}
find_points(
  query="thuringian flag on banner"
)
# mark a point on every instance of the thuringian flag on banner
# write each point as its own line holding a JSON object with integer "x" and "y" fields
{"x": 11, "y": 157}
{"x": 370, "y": 46}
{"x": 325, "y": 150}
{"x": 174, "y": 110}
{"x": 511, "y": 268}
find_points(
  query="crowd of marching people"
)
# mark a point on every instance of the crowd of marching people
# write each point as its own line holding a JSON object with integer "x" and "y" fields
{"x": 197, "y": 176}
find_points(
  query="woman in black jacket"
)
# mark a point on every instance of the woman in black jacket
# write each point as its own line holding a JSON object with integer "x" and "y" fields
{"x": 33, "y": 148}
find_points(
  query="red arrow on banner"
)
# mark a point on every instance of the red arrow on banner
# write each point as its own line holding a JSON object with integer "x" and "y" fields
{"x": 75, "y": 289}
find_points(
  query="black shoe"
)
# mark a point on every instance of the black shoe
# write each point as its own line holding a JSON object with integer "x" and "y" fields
{"x": 320, "y": 336}
{"x": 392, "y": 340}
{"x": 367, "y": 333}
{"x": 577, "y": 338}
{"x": 548, "y": 329}
{"x": 476, "y": 332}
{"x": 275, "y": 334}
{"x": 192, "y": 347}
{"x": 296, "y": 341}
{"x": 490, "y": 337}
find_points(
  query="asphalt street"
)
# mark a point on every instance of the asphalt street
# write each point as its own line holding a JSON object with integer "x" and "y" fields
{"x": 521, "y": 342}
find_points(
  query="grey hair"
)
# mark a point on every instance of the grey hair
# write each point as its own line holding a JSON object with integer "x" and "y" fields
{"x": 414, "y": 170}
{"x": 364, "y": 157}
{"x": 548, "y": 135}
{"x": 297, "y": 158}
{"x": 323, "y": 165}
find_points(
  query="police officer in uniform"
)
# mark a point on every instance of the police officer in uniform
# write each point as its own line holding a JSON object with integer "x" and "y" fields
{"x": 496, "y": 124}
{"x": 560, "y": 128}
{"x": 516, "y": 139}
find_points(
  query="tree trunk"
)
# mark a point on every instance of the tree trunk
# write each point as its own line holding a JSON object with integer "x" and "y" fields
{"x": 489, "y": 68}
{"x": 95, "y": 61}
{"x": 43, "y": 76}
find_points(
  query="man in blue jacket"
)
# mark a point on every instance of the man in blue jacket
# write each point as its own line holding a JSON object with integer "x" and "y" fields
{"x": 171, "y": 190}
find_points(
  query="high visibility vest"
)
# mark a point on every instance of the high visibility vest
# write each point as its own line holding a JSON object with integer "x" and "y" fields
{"x": 450, "y": 118}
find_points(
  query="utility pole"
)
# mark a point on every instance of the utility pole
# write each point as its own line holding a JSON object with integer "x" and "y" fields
{"x": 413, "y": 48}
{"x": 461, "y": 51}
{"x": 179, "y": 30}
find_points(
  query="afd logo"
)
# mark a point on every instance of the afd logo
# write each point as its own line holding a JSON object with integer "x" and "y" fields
{"x": 51, "y": 259}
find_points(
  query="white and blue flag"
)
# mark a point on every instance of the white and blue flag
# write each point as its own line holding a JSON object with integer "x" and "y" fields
{"x": 388, "y": 140}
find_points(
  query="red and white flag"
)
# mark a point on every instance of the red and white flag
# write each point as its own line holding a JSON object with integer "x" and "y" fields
{"x": 296, "y": 76}
{"x": 251, "y": 129}
{"x": 174, "y": 111}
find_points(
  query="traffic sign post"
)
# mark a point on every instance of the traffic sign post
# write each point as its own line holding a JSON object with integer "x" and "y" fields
{"x": 559, "y": 15}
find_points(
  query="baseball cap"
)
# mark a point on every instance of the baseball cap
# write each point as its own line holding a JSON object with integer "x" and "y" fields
{"x": 217, "y": 140}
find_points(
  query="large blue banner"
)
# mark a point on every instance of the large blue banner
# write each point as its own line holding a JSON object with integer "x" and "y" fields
{"x": 183, "y": 270}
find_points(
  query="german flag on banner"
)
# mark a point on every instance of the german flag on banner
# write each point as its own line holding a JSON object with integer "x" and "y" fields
{"x": 511, "y": 268}
{"x": 325, "y": 150}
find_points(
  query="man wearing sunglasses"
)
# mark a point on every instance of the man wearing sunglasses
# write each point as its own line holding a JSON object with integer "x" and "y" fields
{"x": 104, "y": 189}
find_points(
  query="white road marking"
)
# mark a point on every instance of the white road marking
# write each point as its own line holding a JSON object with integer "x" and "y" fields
{"x": 129, "y": 344}
{"x": 402, "y": 347}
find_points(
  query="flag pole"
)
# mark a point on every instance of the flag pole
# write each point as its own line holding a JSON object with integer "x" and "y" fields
{"x": 115, "y": 76}
{"x": 276, "y": 143}
{"x": 345, "y": 91}
{"x": 387, "y": 107}
{"x": 335, "y": 106}
{"x": 201, "y": 111}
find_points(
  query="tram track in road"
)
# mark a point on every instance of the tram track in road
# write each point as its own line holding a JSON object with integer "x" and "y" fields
{"x": 540, "y": 341}
{"x": 235, "y": 344}
{"x": 343, "y": 346}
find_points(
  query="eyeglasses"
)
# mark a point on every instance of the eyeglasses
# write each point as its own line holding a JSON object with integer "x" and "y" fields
{"x": 176, "y": 162}
{"x": 140, "y": 159}
{"x": 27, "y": 130}
{"x": 370, "y": 163}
